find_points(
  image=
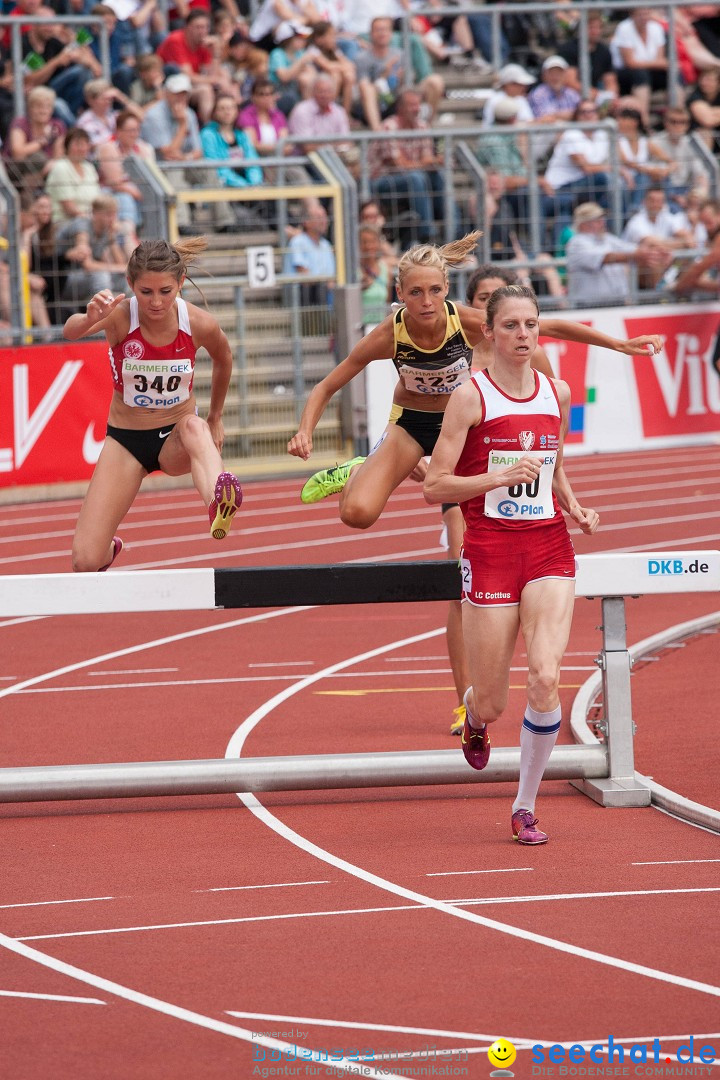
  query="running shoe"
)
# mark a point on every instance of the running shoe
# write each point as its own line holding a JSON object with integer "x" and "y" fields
{"x": 117, "y": 548}
{"x": 523, "y": 828}
{"x": 459, "y": 720}
{"x": 328, "y": 481}
{"x": 226, "y": 502}
{"x": 475, "y": 743}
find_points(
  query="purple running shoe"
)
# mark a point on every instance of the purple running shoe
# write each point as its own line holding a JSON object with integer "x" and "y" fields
{"x": 523, "y": 828}
{"x": 475, "y": 743}
{"x": 223, "y": 507}
{"x": 117, "y": 548}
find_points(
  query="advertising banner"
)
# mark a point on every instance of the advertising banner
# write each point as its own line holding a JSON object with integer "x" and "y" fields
{"x": 54, "y": 402}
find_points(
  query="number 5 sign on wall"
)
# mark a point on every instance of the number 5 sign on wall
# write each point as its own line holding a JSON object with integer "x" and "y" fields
{"x": 260, "y": 267}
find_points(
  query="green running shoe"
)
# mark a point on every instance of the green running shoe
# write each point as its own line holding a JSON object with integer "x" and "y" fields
{"x": 328, "y": 481}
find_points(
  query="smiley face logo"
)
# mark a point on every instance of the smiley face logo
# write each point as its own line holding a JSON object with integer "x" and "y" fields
{"x": 502, "y": 1053}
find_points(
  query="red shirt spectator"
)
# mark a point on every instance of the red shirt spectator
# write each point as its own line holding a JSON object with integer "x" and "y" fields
{"x": 184, "y": 47}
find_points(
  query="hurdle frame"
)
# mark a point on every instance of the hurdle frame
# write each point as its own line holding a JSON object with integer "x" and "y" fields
{"x": 604, "y": 772}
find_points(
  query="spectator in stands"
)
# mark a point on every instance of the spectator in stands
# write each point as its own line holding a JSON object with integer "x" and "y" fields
{"x": 655, "y": 218}
{"x": 310, "y": 253}
{"x": 111, "y": 167}
{"x": 261, "y": 120}
{"x": 639, "y": 57}
{"x": 553, "y": 99}
{"x": 381, "y": 76}
{"x": 273, "y": 12}
{"x": 642, "y": 161}
{"x": 702, "y": 275}
{"x": 96, "y": 250}
{"x": 147, "y": 88}
{"x": 703, "y": 104}
{"x": 39, "y": 239}
{"x": 171, "y": 128}
{"x": 327, "y": 57}
{"x": 578, "y": 170}
{"x": 243, "y": 60}
{"x": 140, "y": 24}
{"x": 371, "y": 214}
{"x": 223, "y": 139}
{"x": 706, "y": 23}
{"x": 505, "y": 156}
{"x": 376, "y": 276}
{"x": 64, "y": 67}
{"x": 36, "y": 282}
{"x": 686, "y": 171}
{"x": 513, "y": 81}
{"x": 100, "y": 118}
{"x": 597, "y": 261}
{"x": 319, "y": 115}
{"x": 72, "y": 181}
{"x": 190, "y": 51}
{"x": 290, "y": 65}
{"x": 33, "y": 143}
{"x": 603, "y": 77}
{"x": 408, "y": 169}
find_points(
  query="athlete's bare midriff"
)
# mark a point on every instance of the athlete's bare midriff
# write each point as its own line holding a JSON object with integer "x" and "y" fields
{"x": 137, "y": 419}
{"x": 431, "y": 403}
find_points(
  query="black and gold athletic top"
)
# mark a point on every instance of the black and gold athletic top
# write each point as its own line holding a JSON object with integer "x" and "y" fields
{"x": 439, "y": 371}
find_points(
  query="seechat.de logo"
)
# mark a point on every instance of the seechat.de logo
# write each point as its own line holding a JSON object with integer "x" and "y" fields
{"x": 658, "y": 567}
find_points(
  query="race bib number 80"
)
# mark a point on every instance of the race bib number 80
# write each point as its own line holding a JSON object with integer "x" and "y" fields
{"x": 521, "y": 502}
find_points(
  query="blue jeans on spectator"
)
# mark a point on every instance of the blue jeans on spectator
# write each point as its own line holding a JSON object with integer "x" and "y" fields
{"x": 481, "y": 30}
{"x": 423, "y": 191}
{"x": 69, "y": 84}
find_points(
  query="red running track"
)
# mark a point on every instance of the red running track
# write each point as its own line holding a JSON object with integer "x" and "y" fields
{"x": 188, "y": 937}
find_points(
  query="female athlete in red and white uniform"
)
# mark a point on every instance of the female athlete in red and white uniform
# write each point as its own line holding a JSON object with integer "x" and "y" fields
{"x": 153, "y": 421}
{"x": 500, "y": 455}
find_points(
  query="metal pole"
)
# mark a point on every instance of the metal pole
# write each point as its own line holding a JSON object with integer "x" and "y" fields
{"x": 620, "y": 788}
{"x": 317, "y": 772}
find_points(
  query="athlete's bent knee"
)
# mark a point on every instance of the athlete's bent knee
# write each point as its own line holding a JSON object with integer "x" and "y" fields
{"x": 542, "y": 687}
{"x": 356, "y": 516}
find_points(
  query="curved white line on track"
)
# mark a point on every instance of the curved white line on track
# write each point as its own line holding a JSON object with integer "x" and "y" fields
{"x": 234, "y": 750}
{"x": 180, "y": 1013}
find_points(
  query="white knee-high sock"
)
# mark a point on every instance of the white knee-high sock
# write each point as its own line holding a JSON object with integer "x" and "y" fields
{"x": 537, "y": 737}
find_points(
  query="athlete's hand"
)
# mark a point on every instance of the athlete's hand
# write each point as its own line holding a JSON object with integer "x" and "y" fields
{"x": 644, "y": 345}
{"x": 217, "y": 430}
{"x": 300, "y": 445}
{"x": 524, "y": 471}
{"x": 587, "y": 519}
{"x": 101, "y": 304}
{"x": 420, "y": 471}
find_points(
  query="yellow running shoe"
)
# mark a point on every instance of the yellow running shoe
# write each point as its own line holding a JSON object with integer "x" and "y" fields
{"x": 328, "y": 481}
{"x": 459, "y": 722}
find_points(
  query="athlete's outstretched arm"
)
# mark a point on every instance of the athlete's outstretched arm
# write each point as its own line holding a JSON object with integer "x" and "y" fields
{"x": 586, "y": 518}
{"x": 378, "y": 345}
{"x": 644, "y": 345}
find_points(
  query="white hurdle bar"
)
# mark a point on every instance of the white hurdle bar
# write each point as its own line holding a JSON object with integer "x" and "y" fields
{"x": 605, "y": 772}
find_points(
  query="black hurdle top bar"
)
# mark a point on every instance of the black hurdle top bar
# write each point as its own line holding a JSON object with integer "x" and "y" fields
{"x": 356, "y": 583}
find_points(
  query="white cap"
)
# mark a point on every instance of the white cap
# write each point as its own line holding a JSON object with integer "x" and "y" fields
{"x": 287, "y": 30}
{"x": 178, "y": 84}
{"x": 554, "y": 62}
{"x": 506, "y": 108}
{"x": 515, "y": 73}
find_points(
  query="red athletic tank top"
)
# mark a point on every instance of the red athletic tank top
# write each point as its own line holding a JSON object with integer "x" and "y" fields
{"x": 154, "y": 376}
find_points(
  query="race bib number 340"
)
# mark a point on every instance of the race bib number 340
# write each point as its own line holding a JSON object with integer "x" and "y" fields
{"x": 521, "y": 502}
{"x": 156, "y": 384}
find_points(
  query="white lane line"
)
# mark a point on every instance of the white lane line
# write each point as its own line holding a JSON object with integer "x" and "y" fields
{"x": 217, "y": 922}
{"x": 459, "y": 873}
{"x": 52, "y": 997}
{"x": 673, "y": 862}
{"x": 275, "y": 885}
{"x": 577, "y": 896}
{"x": 133, "y": 671}
{"x": 49, "y": 903}
{"x": 188, "y": 1015}
{"x": 462, "y": 902}
{"x": 316, "y": 1021}
{"x": 156, "y": 643}
{"x": 234, "y": 750}
{"x": 21, "y": 619}
{"x": 284, "y": 664}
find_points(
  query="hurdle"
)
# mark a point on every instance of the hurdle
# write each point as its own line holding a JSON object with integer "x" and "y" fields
{"x": 605, "y": 772}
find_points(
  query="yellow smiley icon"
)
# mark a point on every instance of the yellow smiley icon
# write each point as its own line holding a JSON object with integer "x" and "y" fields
{"x": 502, "y": 1053}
